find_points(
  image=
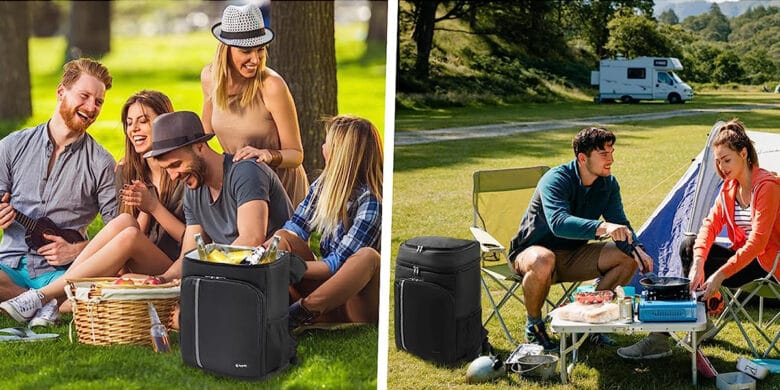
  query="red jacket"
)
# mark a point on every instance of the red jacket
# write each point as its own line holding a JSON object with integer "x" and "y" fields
{"x": 764, "y": 240}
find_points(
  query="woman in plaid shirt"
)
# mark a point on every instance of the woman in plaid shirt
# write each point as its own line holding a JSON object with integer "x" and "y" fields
{"x": 343, "y": 206}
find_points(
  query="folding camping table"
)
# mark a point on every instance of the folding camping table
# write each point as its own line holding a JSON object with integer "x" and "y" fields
{"x": 566, "y": 328}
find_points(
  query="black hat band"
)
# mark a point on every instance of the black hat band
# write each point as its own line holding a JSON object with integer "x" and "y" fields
{"x": 242, "y": 34}
{"x": 171, "y": 142}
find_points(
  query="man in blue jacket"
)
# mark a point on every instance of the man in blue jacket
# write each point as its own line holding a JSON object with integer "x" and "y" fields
{"x": 574, "y": 203}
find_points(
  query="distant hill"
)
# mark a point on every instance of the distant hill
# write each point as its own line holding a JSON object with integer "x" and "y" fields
{"x": 686, "y": 8}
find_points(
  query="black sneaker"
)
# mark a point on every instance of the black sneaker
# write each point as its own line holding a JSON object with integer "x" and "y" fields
{"x": 537, "y": 334}
{"x": 299, "y": 315}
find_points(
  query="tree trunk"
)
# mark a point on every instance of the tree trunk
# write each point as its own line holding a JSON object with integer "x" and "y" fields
{"x": 377, "y": 24}
{"x": 304, "y": 53}
{"x": 90, "y": 29}
{"x": 15, "y": 102}
{"x": 424, "y": 21}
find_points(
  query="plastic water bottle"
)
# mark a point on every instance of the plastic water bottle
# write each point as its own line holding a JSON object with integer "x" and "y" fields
{"x": 160, "y": 342}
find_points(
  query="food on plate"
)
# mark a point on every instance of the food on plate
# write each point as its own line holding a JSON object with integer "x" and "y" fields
{"x": 594, "y": 297}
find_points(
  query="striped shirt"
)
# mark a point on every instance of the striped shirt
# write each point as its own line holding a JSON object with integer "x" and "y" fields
{"x": 742, "y": 218}
{"x": 364, "y": 211}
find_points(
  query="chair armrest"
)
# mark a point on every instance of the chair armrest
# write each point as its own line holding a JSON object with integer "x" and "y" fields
{"x": 486, "y": 242}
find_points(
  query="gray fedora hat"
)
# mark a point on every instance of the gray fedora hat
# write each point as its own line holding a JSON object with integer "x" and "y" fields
{"x": 242, "y": 26}
{"x": 176, "y": 129}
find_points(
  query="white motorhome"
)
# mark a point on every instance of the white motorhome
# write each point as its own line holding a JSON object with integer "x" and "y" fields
{"x": 641, "y": 78}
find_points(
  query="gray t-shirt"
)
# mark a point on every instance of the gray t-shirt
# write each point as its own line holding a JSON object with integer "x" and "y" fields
{"x": 242, "y": 181}
{"x": 79, "y": 186}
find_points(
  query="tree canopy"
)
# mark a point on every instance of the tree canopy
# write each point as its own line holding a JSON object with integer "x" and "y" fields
{"x": 497, "y": 50}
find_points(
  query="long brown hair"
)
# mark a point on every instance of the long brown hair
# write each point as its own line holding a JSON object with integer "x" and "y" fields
{"x": 733, "y": 135}
{"x": 355, "y": 159}
{"x": 135, "y": 166}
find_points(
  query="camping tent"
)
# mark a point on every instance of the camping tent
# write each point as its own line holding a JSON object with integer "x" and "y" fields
{"x": 690, "y": 200}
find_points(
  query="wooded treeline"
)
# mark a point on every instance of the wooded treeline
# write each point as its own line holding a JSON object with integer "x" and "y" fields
{"x": 518, "y": 48}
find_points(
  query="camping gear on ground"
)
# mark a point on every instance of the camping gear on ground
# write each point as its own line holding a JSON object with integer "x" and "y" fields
{"x": 107, "y": 313}
{"x": 499, "y": 198}
{"x": 485, "y": 369}
{"x": 704, "y": 366}
{"x": 438, "y": 315}
{"x": 528, "y": 360}
{"x": 234, "y": 316}
{"x": 24, "y": 334}
{"x": 160, "y": 341}
{"x": 773, "y": 365}
{"x": 540, "y": 366}
{"x": 735, "y": 381}
{"x": 753, "y": 369}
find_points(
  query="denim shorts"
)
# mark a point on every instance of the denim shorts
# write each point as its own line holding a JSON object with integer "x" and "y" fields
{"x": 21, "y": 276}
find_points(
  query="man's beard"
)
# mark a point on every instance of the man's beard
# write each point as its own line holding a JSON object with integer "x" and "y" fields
{"x": 197, "y": 170}
{"x": 72, "y": 119}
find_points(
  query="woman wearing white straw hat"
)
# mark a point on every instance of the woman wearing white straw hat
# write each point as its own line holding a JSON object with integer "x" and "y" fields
{"x": 248, "y": 105}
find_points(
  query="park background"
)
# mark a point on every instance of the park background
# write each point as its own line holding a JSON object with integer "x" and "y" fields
{"x": 163, "y": 45}
{"x": 467, "y": 67}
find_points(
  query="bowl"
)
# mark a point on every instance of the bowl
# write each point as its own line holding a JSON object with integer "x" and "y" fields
{"x": 735, "y": 381}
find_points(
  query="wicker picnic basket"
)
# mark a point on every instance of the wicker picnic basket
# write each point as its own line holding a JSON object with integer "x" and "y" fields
{"x": 105, "y": 313}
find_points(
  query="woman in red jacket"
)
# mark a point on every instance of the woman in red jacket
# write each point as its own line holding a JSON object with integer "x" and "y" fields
{"x": 748, "y": 205}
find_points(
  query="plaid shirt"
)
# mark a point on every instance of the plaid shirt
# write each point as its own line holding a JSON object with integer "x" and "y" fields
{"x": 363, "y": 210}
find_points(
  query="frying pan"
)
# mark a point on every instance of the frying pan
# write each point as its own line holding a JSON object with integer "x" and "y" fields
{"x": 661, "y": 284}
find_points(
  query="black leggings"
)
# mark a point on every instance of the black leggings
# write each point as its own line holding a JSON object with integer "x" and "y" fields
{"x": 715, "y": 259}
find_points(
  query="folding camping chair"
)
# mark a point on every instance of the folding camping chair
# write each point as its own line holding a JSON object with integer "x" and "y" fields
{"x": 499, "y": 199}
{"x": 765, "y": 287}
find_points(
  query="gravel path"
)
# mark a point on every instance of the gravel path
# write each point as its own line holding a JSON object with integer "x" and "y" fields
{"x": 497, "y": 130}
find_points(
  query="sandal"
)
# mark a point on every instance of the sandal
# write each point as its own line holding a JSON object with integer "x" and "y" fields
{"x": 24, "y": 334}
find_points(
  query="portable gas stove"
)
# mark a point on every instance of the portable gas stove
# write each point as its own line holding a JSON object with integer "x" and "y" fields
{"x": 654, "y": 310}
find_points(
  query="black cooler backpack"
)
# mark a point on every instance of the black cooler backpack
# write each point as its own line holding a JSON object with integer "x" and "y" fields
{"x": 438, "y": 315}
{"x": 234, "y": 317}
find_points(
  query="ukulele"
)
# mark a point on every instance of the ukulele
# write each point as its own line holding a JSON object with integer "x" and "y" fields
{"x": 36, "y": 228}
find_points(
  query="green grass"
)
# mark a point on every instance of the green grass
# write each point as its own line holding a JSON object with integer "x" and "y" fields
{"x": 409, "y": 119}
{"x": 331, "y": 359}
{"x": 172, "y": 64}
{"x": 432, "y": 196}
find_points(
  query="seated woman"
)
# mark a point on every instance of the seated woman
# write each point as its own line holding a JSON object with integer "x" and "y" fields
{"x": 145, "y": 238}
{"x": 344, "y": 205}
{"x": 748, "y": 205}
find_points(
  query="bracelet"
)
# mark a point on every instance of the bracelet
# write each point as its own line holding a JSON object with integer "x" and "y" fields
{"x": 276, "y": 158}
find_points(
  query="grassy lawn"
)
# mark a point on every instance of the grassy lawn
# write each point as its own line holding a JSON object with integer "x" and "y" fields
{"x": 432, "y": 196}
{"x": 172, "y": 64}
{"x": 577, "y": 106}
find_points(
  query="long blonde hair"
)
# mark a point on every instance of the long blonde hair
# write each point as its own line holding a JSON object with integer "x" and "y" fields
{"x": 220, "y": 73}
{"x": 355, "y": 159}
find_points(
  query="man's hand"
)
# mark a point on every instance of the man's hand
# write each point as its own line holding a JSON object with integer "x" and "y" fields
{"x": 60, "y": 252}
{"x": 7, "y": 213}
{"x": 615, "y": 231}
{"x": 645, "y": 261}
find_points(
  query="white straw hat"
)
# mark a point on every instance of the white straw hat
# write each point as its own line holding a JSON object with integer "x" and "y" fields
{"x": 242, "y": 27}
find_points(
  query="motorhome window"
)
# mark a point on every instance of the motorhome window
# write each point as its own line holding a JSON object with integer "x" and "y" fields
{"x": 675, "y": 77}
{"x": 664, "y": 77}
{"x": 636, "y": 73}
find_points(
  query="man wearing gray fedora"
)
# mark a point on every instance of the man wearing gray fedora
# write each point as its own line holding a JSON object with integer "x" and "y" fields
{"x": 237, "y": 203}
